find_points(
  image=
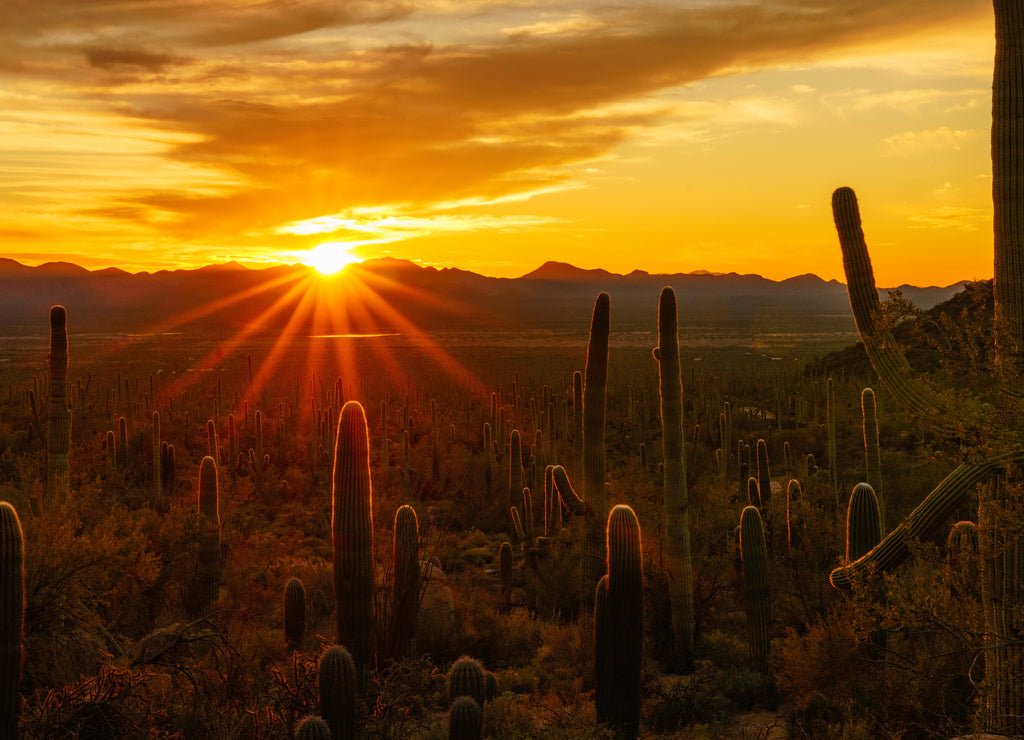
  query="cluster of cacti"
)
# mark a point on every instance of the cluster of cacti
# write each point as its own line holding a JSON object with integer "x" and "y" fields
{"x": 12, "y": 608}
{"x": 1000, "y": 547}
{"x": 58, "y": 439}
{"x": 352, "y": 536}
{"x": 754, "y": 558}
{"x": 619, "y": 626}
{"x": 338, "y": 683}
{"x": 294, "y": 613}
{"x": 208, "y": 582}
{"x": 676, "y": 500}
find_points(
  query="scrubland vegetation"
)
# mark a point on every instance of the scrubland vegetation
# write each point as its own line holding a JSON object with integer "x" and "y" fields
{"x": 123, "y": 637}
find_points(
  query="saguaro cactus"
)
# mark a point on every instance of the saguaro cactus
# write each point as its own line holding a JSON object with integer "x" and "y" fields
{"x": 1000, "y": 545}
{"x": 676, "y": 500}
{"x": 872, "y": 454}
{"x": 515, "y": 473}
{"x": 294, "y": 612}
{"x": 595, "y": 384}
{"x": 12, "y": 610}
{"x": 754, "y": 557}
{"x": 58, "y": 438}
{"x": 158, "y": 455}
{"x": 863, "y": 522}
{"x": 620, "y": 627}
{"x": 352, "y": 534}
{"x": 209, "y": 545}
{"x": 405, "y": 596}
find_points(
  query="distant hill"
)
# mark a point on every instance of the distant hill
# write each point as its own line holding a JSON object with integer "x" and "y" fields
{"x": 387, "y": 294}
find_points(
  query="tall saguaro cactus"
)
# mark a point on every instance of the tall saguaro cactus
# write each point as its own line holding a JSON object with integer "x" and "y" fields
{"x": 12, "y": 610}
{"x": 1002, "y": 550}
{"x": 754, "y": 558}
{"x": 405, "y": 596}
{"x": 58, "y": 439}
{"x": 209, "y": 545}
{"x": 595, "y": 385}
{"x": 352, "y": 535}
{"x": 675, "y": 495}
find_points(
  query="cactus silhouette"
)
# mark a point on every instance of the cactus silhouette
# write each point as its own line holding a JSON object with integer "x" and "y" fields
{"x": 352, "y": 534}
{"x": 313, "y": 728}
{"x": 595, "y": 383}
{"x": 675, "y": 497}
{"x": 209, "y": 545}
{"x": 755, "y": 585}
{"x": 465, "y": 719}
{"x": 872, "y": 454}
{"x": 58, "y": 438}
{"x": 618, "y": 626}
{"x": 12, "y": 610}
{"x": 467, "y": 677}
{"x": 294, "y": 612}
{"x": 863, "y": 524}
{"x": 337, "y": 682}
{"x": 405, "y": 594}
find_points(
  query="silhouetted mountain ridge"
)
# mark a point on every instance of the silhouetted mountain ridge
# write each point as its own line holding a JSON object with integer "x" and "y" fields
{"x": 388, "y": 293}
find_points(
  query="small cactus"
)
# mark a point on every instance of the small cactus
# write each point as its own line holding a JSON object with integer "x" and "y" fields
{"x": 465, "y": 719}
{"x": 467, "y": 677}
{"x": 313, "y": 728}
{"x": 863, "y": 528}
{"x": 294, "y": 612}
{"x": 337, "y": 680}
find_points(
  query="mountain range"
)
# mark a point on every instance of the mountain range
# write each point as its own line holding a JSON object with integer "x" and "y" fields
{"x": 385, "y": 294}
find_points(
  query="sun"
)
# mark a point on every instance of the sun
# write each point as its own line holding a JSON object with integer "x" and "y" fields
{"x": 329, "y": 258}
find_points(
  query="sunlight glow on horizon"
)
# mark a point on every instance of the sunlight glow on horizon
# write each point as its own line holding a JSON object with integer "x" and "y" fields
{"x": 619, "y": 138}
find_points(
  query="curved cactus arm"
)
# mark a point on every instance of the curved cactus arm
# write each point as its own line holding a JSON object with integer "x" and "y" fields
{"x": 566, "y": 493}
{"x": 923, "y": 521}
{"x": 886, "y": 356}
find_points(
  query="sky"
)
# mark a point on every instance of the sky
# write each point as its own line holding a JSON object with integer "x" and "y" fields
{"x": 494, "y": 136}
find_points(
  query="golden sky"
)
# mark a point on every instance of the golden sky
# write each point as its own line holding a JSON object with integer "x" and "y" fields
{"x": 493, "y": 136}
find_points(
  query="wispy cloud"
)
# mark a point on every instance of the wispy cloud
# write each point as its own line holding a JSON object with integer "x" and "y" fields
{"x": 917, "y": 142}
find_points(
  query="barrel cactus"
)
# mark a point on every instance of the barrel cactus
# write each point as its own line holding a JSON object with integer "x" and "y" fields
{"x": 467, "y": 677}
{"x": 313, "y": 728}
{"x": 337, "y": 682}
{"x": 465, "y": 719}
